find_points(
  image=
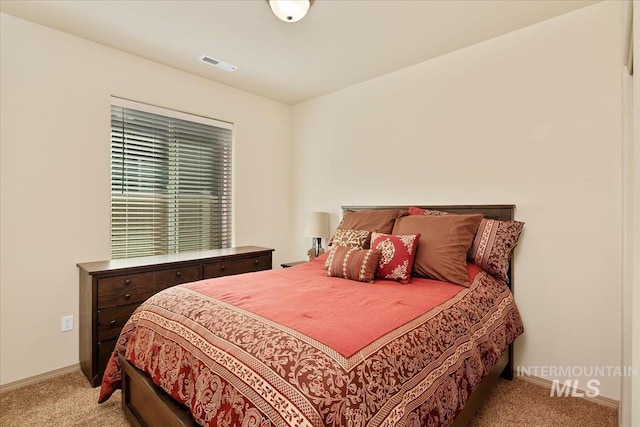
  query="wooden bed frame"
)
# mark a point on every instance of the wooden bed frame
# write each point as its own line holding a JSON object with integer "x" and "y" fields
{"x": 145, "y": 404}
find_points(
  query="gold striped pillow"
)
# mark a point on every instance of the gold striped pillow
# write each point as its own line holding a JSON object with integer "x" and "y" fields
{"x": 353, "y": 264}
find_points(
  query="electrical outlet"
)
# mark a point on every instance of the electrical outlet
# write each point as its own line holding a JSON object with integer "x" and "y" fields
{"x": 67, "y": 323}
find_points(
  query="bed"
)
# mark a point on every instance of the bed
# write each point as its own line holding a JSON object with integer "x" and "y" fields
{"x": 294, "y": 347}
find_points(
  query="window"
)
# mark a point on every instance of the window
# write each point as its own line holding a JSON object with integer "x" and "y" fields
{"x": 170, "y": 181}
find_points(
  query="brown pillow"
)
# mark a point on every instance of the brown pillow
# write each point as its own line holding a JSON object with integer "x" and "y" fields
{"x": 493, "y": 245}
{"x": 443, "y": 245}
{"x": 353, "y": 264}
{"x": 379, "y": 220}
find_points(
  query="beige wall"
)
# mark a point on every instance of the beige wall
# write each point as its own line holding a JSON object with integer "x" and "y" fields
{"x": 629, "y": 234}
{"x": 55, "y": 175}
{"x": 531, "y": 118}
{"x": 634, "y": 214}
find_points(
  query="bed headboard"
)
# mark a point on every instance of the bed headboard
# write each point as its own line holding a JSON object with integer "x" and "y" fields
{"x": 500, "y": 212}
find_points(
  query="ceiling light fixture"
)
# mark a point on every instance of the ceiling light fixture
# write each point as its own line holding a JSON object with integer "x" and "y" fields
{"x": 290, "y": 10}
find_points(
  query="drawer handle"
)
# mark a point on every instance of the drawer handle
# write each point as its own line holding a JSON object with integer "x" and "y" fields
{"x": 256, "y": 262}
{"x": 222, "y": 267}
{"x": 127, "y": 282}
{"x": 178, "y": 274}
{"x": 112, "y": 323}
{"x": 127, "y": 296}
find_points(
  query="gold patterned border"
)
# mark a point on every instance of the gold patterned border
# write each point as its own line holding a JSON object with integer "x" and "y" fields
{"x": 478, "y": 257}
{"x": 285, "y": 408}
{"x": 414, "y": 393}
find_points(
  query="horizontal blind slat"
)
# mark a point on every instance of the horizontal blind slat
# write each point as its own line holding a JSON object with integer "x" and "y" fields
{"x": 170, "y": 184}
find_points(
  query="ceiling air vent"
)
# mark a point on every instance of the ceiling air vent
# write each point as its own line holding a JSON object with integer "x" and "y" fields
{"x": 217, "y": 63}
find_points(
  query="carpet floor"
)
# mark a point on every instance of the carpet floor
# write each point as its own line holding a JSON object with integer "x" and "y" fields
{"x": 69, "y": 400}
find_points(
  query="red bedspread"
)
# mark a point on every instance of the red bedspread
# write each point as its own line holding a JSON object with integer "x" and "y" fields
{"x": 294, "y": 347}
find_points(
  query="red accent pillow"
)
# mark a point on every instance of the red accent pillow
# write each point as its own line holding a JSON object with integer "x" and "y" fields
{"x": 397, "y": 255}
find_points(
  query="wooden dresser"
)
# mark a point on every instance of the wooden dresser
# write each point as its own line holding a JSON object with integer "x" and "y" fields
{"x": 111, "y": 290}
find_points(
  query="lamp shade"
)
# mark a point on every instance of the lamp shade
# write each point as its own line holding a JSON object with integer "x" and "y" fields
{"x": 317, "y": 224}
{"x": 290, "y": 10}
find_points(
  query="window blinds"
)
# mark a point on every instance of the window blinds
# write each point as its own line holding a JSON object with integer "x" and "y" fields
{"x": 170, "y": 181}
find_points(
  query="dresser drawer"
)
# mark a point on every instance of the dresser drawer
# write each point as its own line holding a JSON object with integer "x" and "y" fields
{"x": 174, "y": 276}
{"x": 126, "y": 289}
{"x": 111, "y": 290}
{"x": 111, "y": 321}
{"x": 236, "y": 266}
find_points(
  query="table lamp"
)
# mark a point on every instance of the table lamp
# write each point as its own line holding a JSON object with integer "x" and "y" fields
{"x": 317, "y": 227}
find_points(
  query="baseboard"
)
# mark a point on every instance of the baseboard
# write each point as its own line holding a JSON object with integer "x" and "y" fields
{"x": 601, "y": 400}
{"x": 39, "y": 378}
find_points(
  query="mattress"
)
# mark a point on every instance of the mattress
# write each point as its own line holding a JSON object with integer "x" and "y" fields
{"x": 294, "y": 347}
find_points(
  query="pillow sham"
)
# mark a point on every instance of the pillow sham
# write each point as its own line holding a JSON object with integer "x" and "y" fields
{"x": 353, "y": 264}
{"x": 397, "y": 254}
{"x": 380, "y": 220}
{"x": 493, "y": 244}
{"x": 443, "y": 244}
